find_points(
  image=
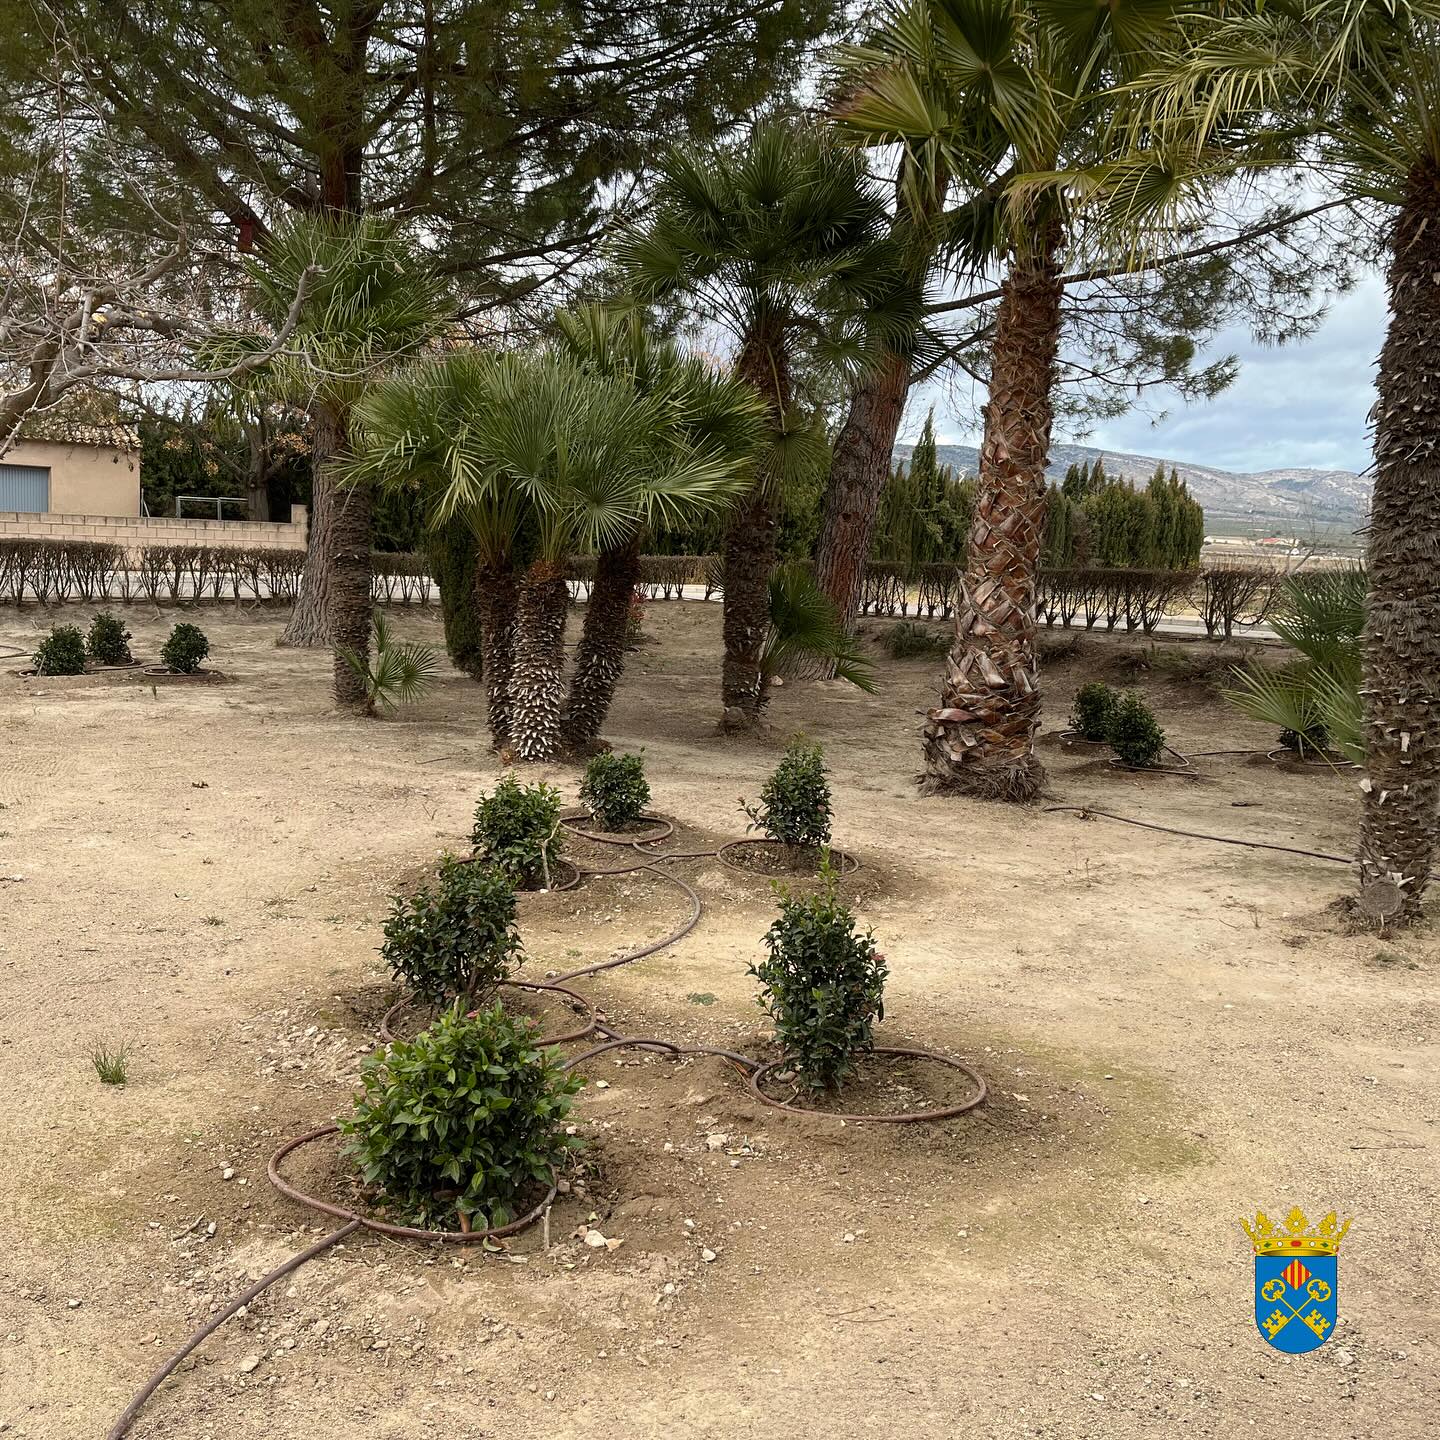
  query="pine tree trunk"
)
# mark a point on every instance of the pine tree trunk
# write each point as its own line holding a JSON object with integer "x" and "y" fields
{"x": 538, "y": 680}
{"x": 980, "y": 739}
{"x": 600, "y": 660}
{"x": 1401, "y": 684}
{"x": 497, "y": 594}
{"x": 748, "y": 554}
{"x": 454, "y": 563}
{"x": 859, "y": 469}
{"x": 349, "y": 589}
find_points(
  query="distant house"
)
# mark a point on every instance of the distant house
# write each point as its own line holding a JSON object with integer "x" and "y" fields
{"x": 68, "y": 468}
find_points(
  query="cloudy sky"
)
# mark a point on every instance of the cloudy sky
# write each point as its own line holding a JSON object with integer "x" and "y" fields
{"x": 1295, "y": 406}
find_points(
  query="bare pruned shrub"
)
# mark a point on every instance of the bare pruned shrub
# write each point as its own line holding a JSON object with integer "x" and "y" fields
{"x": 1231, "y": 595}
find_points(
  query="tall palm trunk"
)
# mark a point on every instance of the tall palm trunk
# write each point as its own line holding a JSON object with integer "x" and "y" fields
{"x": 1401, "y": 685}
{"x": 537, "y": 686}
{"x": 864, "y": 453}
{"x": 748, "y": 554}
{"x": 496, "y": 594}
{"x": 309, "y": 623}
{"x": 859, "y": 470}
{"x": 349, "y": 602}
{"x": 453, "y": 561}
{"x": 980, "y": 740}
{"x": 600, "y": 660}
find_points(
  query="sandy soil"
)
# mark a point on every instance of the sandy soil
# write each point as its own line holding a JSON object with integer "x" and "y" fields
{"x": 1174, "y": 1033}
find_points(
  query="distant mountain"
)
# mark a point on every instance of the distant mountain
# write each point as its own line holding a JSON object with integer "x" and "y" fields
{"x": 1296, "y": 498}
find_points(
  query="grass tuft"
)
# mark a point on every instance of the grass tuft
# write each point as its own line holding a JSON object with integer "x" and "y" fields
{"x": 112, "y": 1066}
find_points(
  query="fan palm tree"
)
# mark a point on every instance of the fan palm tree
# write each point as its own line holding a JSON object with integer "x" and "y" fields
{"x": 782, "y": 242}
{"x": 713, "y": 413}
{"x": 1315, "y": 699}
{"x": 1010, "y": 98}
{"x": 806, "y": 632}
{"x": 373, "y": 306}
{"x": 541, "y": 458}
{"x": 1350, "y": 89}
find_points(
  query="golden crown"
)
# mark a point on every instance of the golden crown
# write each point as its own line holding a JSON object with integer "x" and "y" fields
{"x": 1294, "y": 1237}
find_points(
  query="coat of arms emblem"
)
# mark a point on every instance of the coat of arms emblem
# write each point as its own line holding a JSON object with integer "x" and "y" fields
{"x": 1296, "y": 1279}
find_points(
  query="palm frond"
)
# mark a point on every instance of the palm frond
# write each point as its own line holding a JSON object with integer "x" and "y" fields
{"x": 400, "y": 673}
{"x": 804, "y": 626}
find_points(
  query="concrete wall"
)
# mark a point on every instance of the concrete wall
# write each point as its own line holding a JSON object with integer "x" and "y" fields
{"x": 133, "y": 531}
{"x": 86, "y": 480}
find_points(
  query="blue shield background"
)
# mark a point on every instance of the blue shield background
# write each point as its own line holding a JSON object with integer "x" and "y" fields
{"x": 1308, "y": 1314}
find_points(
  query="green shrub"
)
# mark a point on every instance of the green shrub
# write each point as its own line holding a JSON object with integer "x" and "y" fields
{"x": 614, "y": 790}
{"x": 908, "y": 638}
{"x": 823, "y": 984}
{"x": 455, "y": 939}
{"x": 61, "y": 652}
{"x": 185, "y": 649}
{"x": 1094, "y": 704}
{"x": 108, "y": 641}
{"x": 515, "y": 828}
{"x": 1133, "y": 732}
{"x": 468, "y": 1116}
{"x": 795, "y": 802}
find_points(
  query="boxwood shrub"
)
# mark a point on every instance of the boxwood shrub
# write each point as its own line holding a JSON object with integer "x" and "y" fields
{"x": 61, "y": 652}
{"x": 467, "y": 1117}
{"x": 107, "y": 642}
{"x": 185, "y": 649}
{"x": 615, "y": 790}
{"x": 1134, "y": 733}
{"x": 795, "y": 801}
{"x": 1090, "y": 716}
{"x": 515, "y": 829}
{"x": 822, "y": 984}
{"x": 454, "y": 939}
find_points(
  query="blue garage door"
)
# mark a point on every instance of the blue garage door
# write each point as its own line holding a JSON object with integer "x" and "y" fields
{"x": 25, "y": 487}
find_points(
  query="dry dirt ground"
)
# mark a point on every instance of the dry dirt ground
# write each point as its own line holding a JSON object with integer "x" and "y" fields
{"x": 1175, "y": 1034}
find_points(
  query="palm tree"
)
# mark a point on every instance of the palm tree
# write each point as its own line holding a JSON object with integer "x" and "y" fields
{"x": 783, "y": 243}
{"x": 373, "y": 307}
{"x": 1010, "y": 97}
{"x": 1350, "y": 89}
{"x": 713, "y": 413}
{"x": 541, "y": 458}
{"x": 1315, "y": 699}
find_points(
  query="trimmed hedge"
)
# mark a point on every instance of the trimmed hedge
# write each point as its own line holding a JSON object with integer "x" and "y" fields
{"x": 49, "y": 571}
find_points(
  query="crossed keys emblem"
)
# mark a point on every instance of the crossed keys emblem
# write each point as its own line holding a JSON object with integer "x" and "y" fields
{"x": 1274, "y": 1289}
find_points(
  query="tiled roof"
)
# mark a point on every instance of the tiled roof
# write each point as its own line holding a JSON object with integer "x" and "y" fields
{"x": 63, "y": 430}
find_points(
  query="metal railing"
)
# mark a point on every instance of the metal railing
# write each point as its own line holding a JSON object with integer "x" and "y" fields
{"x": 218, "y": 501}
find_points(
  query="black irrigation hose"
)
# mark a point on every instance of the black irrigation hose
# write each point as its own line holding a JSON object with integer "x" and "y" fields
{"x": 1086, "y": 810}
{"x": 127, "y": 1419}
{"x": 674, "y": 937}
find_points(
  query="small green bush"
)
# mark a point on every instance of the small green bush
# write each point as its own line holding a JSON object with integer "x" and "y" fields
{"x": 185, "y": 649}
{"x": 795, "y": 801}
{"x": 1133, "y": 732}
{"x": 61, "y": 652}
{"x": 1094, "y": 704}
{"x": 515, "y": 829}
{"x": 615, "y": 790}
{"x": 823, "y": 984}
{"x": 108, "y": 641}
{"x": 468, "y": 1116}
{"x": 907, "y": 639}
{"x": 457, "y": 938}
